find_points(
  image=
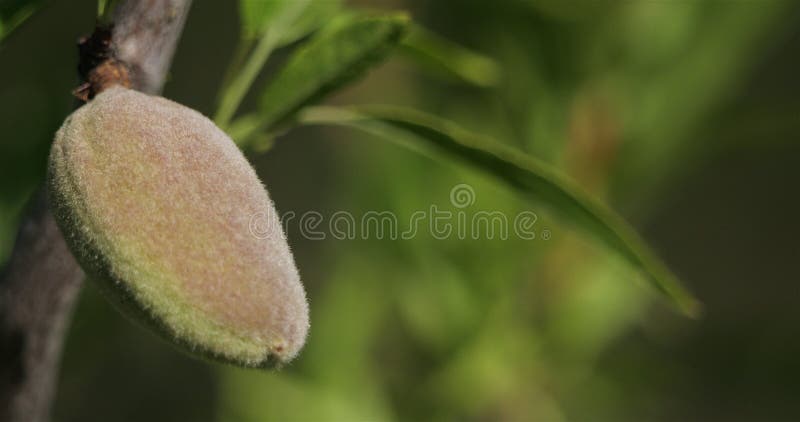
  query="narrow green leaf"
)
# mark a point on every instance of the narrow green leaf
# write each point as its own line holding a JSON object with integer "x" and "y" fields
{"x": 528, "y": 176}
{"x": 14, "y": 12}
{"x": 341, "y": 52}
{"x": 274, "y": 30}
{"x": 448, "y": 58}
{"x": 257, "y": 16}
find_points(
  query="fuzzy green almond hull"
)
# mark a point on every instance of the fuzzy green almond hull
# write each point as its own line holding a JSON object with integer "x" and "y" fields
{"x": 158, "y": 205}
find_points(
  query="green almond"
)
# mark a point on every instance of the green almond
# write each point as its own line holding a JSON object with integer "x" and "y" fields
{"x": 167, "y": 216}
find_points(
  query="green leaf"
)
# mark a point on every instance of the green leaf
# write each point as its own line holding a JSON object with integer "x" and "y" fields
{"x": 528, "y": 176}
{"x": 274, "y": 30}
{"x": 448, "y": 58}
{"x": 14, "y": 12}
{"x": 341, "y": 52}
{"x": 105, "y": 8}
{"x": 257, "y": 16}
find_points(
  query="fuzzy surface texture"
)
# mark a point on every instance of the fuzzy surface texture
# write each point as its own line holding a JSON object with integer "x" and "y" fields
{"x": 168, "y": 217}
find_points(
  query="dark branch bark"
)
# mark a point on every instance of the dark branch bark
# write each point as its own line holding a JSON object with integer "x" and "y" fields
{"x": 144, "y": 37}
{"x": 38, "y": 290}
{"x": 39, "y": 284}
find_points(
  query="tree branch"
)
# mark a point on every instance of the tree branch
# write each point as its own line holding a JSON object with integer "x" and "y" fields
{"x": 39, "y": 284}
{"x": 38, "y": 289}
{"x": 144, "y": 37}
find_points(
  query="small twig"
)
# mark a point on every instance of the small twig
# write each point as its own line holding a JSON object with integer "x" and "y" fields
{"x": 39, "y": 284}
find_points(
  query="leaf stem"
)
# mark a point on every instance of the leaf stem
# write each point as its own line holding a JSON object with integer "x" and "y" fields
{"x": 240, "y": 54}
{"x": 104, "y": 8}
{"x": 235, "y": 92}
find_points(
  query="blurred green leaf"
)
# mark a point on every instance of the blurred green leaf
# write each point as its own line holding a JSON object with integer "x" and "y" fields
{"x": 258, "y": 15}
{"x": 14, "y": 12}
{"x": 343, "y": 50}
{"x": 238, "y": 82}
{"x": 530, "y": 177}
{"x": 444, "y": 56}
{"x": 669, "y": 103}
{"x": 104, "y": 10}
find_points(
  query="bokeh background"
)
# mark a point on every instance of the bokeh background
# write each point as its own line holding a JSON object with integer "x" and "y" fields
{"x": 683, "y": 115}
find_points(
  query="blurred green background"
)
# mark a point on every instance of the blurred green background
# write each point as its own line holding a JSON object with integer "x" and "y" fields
{"x": 683, "y": 115}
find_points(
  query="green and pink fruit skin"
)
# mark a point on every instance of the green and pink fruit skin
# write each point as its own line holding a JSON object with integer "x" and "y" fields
{"x": 160, "y": 208}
